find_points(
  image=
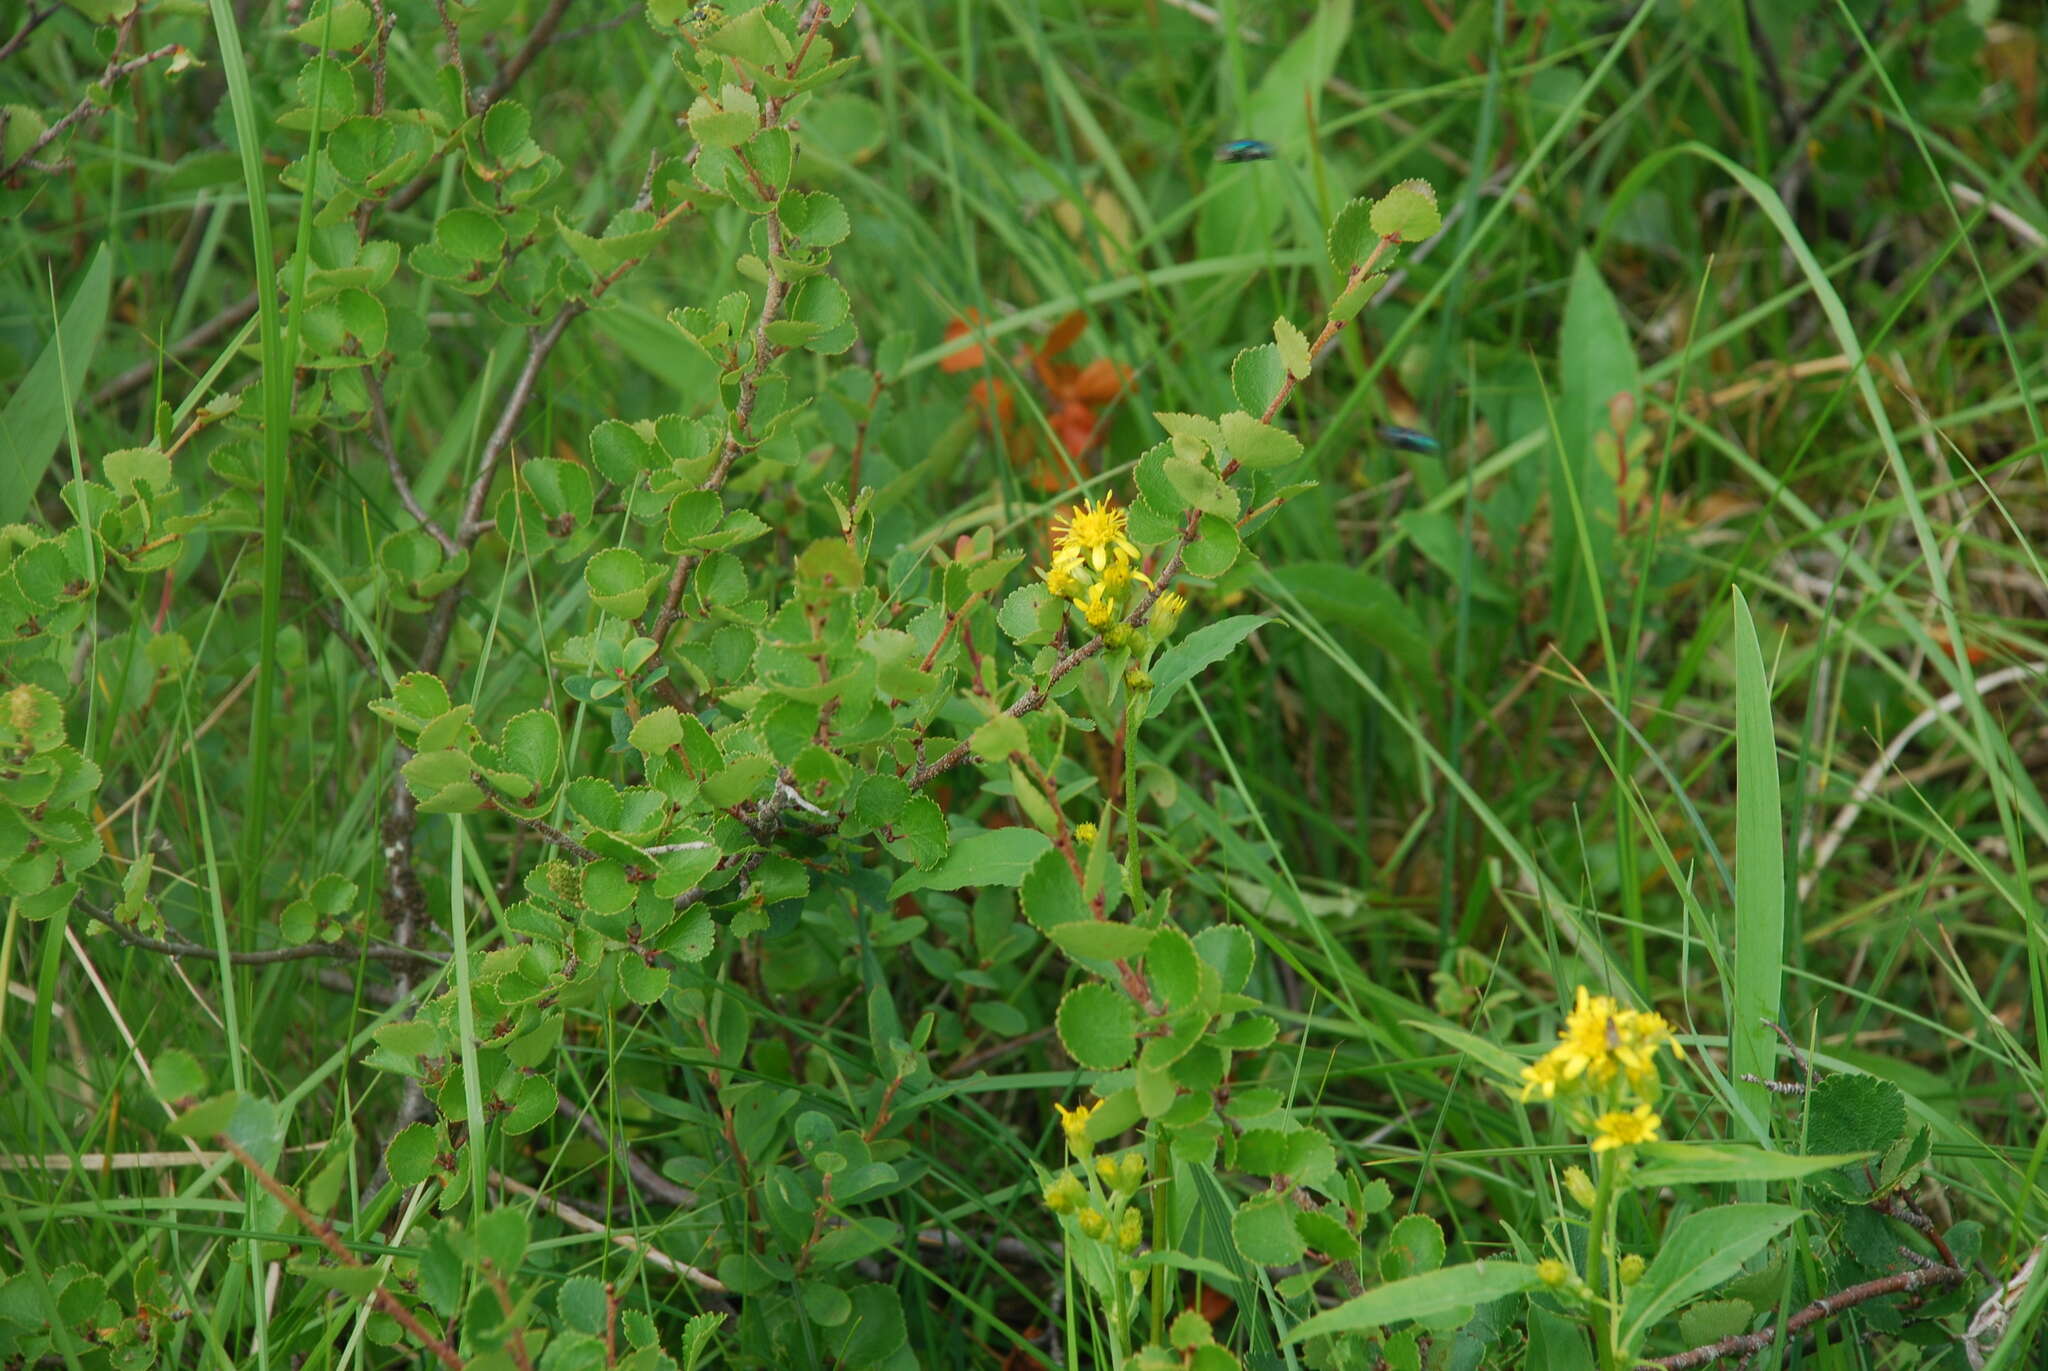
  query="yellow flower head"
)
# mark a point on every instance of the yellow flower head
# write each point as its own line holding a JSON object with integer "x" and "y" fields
{"x": 1617, "y": 1129}
{"x": 1639, "y": 1036}
{"x": 1092, "y": 1223}
{"x": 1099, "y": 609}
{"x": 1096, "y": 531}
{"x": 1541, "y": 1079}
{"x": 1059, "y": 579}
{"x": 1589, "y": 1037}
{"x": 1074, "y": 1122}
{"x": 1086, "y": 833}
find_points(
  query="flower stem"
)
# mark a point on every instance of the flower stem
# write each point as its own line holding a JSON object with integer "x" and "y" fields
{"x": 1599, "y": 1248}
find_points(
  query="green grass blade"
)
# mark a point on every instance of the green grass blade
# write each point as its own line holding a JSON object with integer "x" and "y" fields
{"x": 1759, "y": 879}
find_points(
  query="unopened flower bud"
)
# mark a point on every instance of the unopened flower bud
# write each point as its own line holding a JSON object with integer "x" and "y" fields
{"x": 1133, "y": 1168}
{"x": 1631, "y": 1268}
{"x": 1092, "y": 1223}
{"x": 1166, "y": 612}
{"x": 1553, "y": 1272}
{"x": 1063, "y": 1196}
{"x": 1137, "y": 681}
{"x": 1580, "y": 1186}
{"x": 1118, "y": 635}
{"x": 1130, "y": 1231}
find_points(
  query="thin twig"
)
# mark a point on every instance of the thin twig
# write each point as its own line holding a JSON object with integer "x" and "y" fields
{"x": 652, "y": 1255}
{"x": 537, "y": 38}
{"x": 29, "y": 25}
{"x": 177, "y": 947}
{"x": 1742, "y": 1344}
{"x": 645, "y": 1177}
{"x": 380, "y": 425}
{"x": 88, "y": 107}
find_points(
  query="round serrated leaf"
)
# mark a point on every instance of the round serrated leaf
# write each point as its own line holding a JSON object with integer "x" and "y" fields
{"x": 1293, "y": 345}
{"x": 1256, "y": 377}
{"x": 1030, "y": 615}
{"x": 1415, "y": 1245}
{"x": 1097, "y": 1026}
{"x": 410, "y": 1157}
{"x": 1259, "y": 446}
{"x": 1407, "y": 212}
{"x": 469, "y": 234}
{"x": 1215, "y": 548}
{"x": 618, "y": 582}
{"x": 1263, "y": 1228}
{"x": 1351, "y": 238}
{"x": 178, "y": 1075}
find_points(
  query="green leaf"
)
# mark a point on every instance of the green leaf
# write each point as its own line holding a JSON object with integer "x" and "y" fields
{"x": 1760, "y": 897}
{"x": 1698, "y": 1252}
{"x": 1097, "y": 1026}
{"x": 1851, "y": 1112}
{"x": 1712, "y": 1320}
{"x": 178, "y": 1076}
{"x": 1293, "y": 345}
{"x": 470, "y": 234}
{"x": 1050, "y": 895}
{"x": 619, "y": 582}
{"x": 206, "y": 1119}
{"x": 1256, "y": 377}
{"x": 726, "y": 122}
{"x": 1099, "y": 939}
{"x": 1407, "y": 212}
{"x": 1676, "y": 1163}
{"x": 1174, "y": 968}
{"x": 1256, "y": 445}
{"x": 1263, "y": 1229}
{"x": 816, "y": 218}
{"x": 32, "y": 423}
{"x": 997, "y": 739}
{"x": 1030, "y": 615}
{"x": 1421, "y": 1297}
{"x": 998, "y": 857}
{"x": 1415, "y": 1245}
{"x": 410, "y": 1157}
{"x": 1195, "y": 484}
{"x": 501, "y": 1236}
{"x": 1201, "y": 649}
{"x": 1351, "y": 238}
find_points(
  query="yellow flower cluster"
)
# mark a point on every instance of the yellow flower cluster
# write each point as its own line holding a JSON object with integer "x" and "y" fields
{"x": 1600, "y": 1039}
{"x": 1103, "y": 1200}
{"x": 1608, "y": 1055}
{"x": 1094, "y": 562}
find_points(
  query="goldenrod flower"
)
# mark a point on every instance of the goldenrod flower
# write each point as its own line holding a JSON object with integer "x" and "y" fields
{"x": 1541, "y": 1078}
{"x": 1096, "y": 531}
{"x": 1587, "y": 1041}
{"x": 1616, "y": 1129}
{"x": 1099, "y": 609}
{"x": 1059, "y": 579}
{"x": 1639, "y": 1036}
{"x": 1074, "y": 1122}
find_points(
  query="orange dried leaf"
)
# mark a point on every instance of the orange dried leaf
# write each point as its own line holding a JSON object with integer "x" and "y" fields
{"x": 967, "y": 358}
{"x": 1063, "y": 335}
